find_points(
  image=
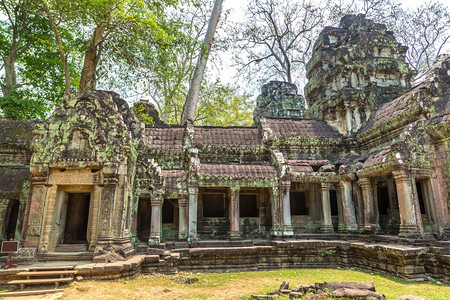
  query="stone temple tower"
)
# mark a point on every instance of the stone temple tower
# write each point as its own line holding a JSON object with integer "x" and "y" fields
{"x": 354, "y": 69}
{"x": 278, "y": 99}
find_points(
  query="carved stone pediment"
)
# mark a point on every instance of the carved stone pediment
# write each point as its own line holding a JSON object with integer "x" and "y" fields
{"x": 88, "y": 129}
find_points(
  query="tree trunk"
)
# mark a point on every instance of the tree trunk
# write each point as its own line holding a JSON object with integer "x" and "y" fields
{"x": 10, "y": 81}
{"x": 10, "y": 75}
{"x": 88, "y": 78}
{"x": 59, "y": 43}
{"x": 190, "y": 106}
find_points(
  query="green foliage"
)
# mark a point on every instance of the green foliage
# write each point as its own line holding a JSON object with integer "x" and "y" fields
{"x": 222, "y": 105}
{"x": 32, "y": 81}
{"x": 145, "y": 112}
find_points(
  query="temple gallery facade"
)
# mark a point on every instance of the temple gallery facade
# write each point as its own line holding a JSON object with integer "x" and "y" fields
{"x": 370, "y": 155}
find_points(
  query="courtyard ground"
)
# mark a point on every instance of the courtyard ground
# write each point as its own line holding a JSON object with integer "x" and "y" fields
{"x": 243, "y": 285}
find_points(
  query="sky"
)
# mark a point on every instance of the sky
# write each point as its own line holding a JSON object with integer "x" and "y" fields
{"x": 225, "y": 71}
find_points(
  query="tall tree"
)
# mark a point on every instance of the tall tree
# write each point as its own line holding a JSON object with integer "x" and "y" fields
{"x": 190, "y": 107}
{"x": 105, "y": 21}
{"x": 31, "y": 81}
{"x": 276, "y": 38}
{"x": 424, "y": 29}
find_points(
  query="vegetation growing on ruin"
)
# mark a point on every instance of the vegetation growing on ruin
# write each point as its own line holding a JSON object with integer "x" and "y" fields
{"x": 243, "y": 285}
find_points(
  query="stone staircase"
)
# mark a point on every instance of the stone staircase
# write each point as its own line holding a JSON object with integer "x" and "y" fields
{"x": 41, "y": 280}
{"x": 71, "y": 248}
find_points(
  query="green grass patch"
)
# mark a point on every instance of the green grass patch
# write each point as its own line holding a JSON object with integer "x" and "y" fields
{"x": 243, "y": 285}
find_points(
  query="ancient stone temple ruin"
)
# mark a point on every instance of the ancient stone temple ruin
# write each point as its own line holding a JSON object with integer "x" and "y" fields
{"x": 364, "y": 171}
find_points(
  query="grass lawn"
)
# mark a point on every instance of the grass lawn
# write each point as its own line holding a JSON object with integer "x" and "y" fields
{"x": 242, "y": 285}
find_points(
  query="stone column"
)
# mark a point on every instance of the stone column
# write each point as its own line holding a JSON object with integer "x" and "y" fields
{"x": 94, "y": 220}
{"x": 348, "y": 209}
{"x": 433, "y": 208}
{"x": 407, "y": 203}
{"x": 393, "y": 203}
{"x": 183, "y": 207}
{"x": 276, "y": 212}
{"x": 339, "y": 199}
{"x": 234, "y": 212}
{"x": 327, "y": 225}
{"x": 155, "y": 227}
{"x": 193, "y": 204}
{"x": 286, "y": 202}
{"x": 369, "y": 205}
{"x": 360, "y": 210}
{"x": 50, "y": 202}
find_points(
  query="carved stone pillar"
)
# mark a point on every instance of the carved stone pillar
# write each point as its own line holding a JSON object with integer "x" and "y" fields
{"x": 370, "y": 223}
{"x": 183, "y": 208}
{"x": 433, "y": 208}
{"x": 286, "y": 202}
{"x": 50, "y": 207}
{"x": 393, "y": 203}
{"x": 360, "y": 210}
{"x": 339, "y": 199}
{"x": 155, "y": 227}
{"x": 234, "y": 212}
{"x": 276, "y": 212}
{"x": 106, "y": 214}
{"x": 193, "y": 202}
{"x": 348, "y": 209}
{"x": 408, "y": 204}
{"x": 93, "y": 224}
{"x": 327, "y": 225}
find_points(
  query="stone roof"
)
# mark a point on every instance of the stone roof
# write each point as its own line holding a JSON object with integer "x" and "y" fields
{"x": 172, "y": 178}
{"x": 238, "y": 171}
{"x": 11, "y": 180}
{"x": 17, "y": 133}
{"x": 227, "y": 136}
{"x": 377, "y": 158}
{"x": 300, "y": 128}
{"x": 398, "y": 106}
{"x": 165, "y": 137}
{"x": 299, "y": 166}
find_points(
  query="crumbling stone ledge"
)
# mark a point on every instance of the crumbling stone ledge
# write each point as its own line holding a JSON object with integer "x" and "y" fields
{"x": 405, "y": 261}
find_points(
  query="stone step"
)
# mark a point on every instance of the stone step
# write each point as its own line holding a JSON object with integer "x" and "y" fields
{"x": 55, "y": 281}
{"x": 48, "y": 273}
{"x": 41, "y": 281}
{"x": 71, "y": 248}
{"x": 54, "y": 268}
{"x": 30, "y": 293}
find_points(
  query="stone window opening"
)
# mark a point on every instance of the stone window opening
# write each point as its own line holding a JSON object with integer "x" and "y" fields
{"x": 383, "y": 200}
{"x": 214, "y": 205}
{"x": 144, "y": 214}
{"x": 12, "y": 219}
{"x": 77, "y": 216}
{"x": 333, "y": 203}
{"x": 421, "y": 198}
{"x": 168, "y": 211}
{"x": 299, "y": 206}
{"x": 248, "y": 206}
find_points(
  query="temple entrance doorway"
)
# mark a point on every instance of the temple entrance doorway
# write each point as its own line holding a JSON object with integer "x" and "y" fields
{"x": 144, "y": 214}
{"x": 423, "y": 203}
{"x": 13, "y": 214}
{"x": 77, "y": 216}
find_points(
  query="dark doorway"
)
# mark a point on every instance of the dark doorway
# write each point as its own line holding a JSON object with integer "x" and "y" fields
{"x": 143, "y": 219}
{"x": 12, "y": 220}
{"x": 333, "y": 203}
{"x": 298, "y": 204}
{"x": 168, "y": 211}
{"x": 421, "y": 199}
{"x": 213, "y": 205}
{"x": 77, "y": 218}
{"x": 248, "y": 207}
{"x": 383, "y": 200}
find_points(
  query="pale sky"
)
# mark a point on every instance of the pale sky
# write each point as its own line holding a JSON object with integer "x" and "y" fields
{"x": 225, "y": 71}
